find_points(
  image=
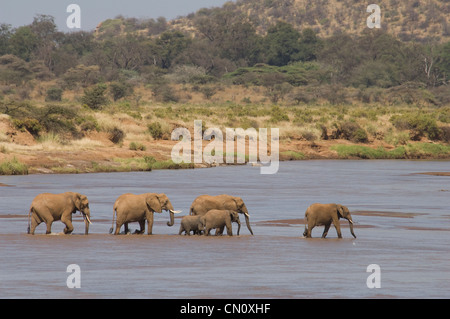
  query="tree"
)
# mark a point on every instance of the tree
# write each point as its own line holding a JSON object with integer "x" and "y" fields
{"x": 23, "y": 42}
{"x": 168, "y": 46}
{"x": 5, "y": 35}
{"x": 282, "y": 44}
{"x": 310, "y": 44}
{"x": 95, "y": 97}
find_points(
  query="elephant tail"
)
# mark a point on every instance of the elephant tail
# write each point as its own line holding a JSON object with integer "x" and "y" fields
{"x": 113, "y": 220}
{"x": 306, "y": 223}
{"x": 29, "y": 219}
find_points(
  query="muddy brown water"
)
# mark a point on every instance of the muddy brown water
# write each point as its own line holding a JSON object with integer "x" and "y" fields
{"x": 401, "y": 220}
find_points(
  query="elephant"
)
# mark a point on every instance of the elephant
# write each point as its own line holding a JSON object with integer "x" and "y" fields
{"x": 216, "y": 218}
{"x": 139, "y": 208}
{"x": 204, "y": 203}
{"x": 325, "y": 214}
{"x": 191, "y": 223}
{"x": 48, "y": 208}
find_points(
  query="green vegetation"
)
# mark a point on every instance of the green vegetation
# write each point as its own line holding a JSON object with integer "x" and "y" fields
{"x": 13, "y": 167}
{"x": 409, "y": 151}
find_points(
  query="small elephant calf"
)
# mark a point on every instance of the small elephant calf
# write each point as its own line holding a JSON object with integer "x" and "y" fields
{"x": 218, "y": 219}
{"x": 191, "y": 223}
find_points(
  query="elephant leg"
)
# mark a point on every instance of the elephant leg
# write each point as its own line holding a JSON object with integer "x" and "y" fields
{"x": 149, "y": 217}
{"x": 34, "y": 223}
{"x": 49, "y": 226}
{"x": 118, "y": 226}
{"x": 229, "y": 230}
{"x": 142, "y": 226}
{"x": 207, "y": 230}
{"x": 219, "y": 231}
{"x": 309, "y": 230}
{"x": 325, "y": 231}
{"x": 337, "y": 225}
{"x": 181, "y": 230}
{"x": 69, "y": 225}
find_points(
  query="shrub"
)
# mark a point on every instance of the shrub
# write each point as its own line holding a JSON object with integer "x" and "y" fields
{"x": 54, "y": 94}
{"x": 445, "y": 133}
{"x": 95, "y": 97}
{"x": 419, "y": 125}
{"x": 351, "y": 131}
{"x": 119, "y": 90}
{"x": 278, "y": 115}
{"x": 137, "y": 146}
{"x": 116, "y": 135}
{"x": 155, "y": 130}
{"x": 13, "y": 167}
{"x": 31, "y": 125}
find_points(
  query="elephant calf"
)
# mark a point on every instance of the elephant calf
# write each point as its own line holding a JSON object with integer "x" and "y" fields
{"x": 324, "y": 215}
{"x": 191, "y": 223}
{"x": 216, "y": 218}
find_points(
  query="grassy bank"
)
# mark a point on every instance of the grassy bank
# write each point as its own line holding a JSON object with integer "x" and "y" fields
{"x": 67, "y": 137}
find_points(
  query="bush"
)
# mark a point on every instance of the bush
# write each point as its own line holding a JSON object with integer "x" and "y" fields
{"x": 13, "y": 167}
{"x": 445, "y": 133}
{"x": 137, "y": 146}
{"x": 419, "y": 125}
{"x": 54, "y": 94}
{"x": 120, "y": 90}
{"x": 278, "y": 115}
{"x": 95, "y": 97}
{"x": 31, "y": 125}
{"x": 351, "y": 131}
{"x": 155, "y": 130}
{"x": 116, "y": 135}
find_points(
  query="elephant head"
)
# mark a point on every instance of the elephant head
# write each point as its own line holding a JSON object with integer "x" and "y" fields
{"x": 82, "y": 205}
{"x": 160, "y": 202}
{"x": 343, "y": 212}
{"x": 242, "y": 209}
{"x": 235, "y": 218}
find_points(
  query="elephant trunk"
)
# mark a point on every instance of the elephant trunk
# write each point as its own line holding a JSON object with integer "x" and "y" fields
{"x": 350, "y": 222}
{"x": 172, "y": 220}
{"x": 247, "y": 221}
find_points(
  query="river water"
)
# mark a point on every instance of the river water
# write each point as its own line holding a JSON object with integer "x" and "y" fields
{"x": 402, "y": 223}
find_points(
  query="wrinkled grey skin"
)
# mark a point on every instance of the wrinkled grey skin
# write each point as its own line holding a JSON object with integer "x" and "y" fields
{"x": 325, "y": 214}
{"x": 140, "y": 208}
{"x": 204, "y": 203}
{"x": 191, "y": 223}
{"x": 48, "y": 208}
{"x": 219, "y": 219}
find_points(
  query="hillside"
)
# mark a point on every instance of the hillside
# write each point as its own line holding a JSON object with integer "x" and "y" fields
{"x": 417, "y": 20}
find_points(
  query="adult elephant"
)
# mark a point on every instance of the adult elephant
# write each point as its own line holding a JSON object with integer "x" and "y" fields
{"x": 48, "y": 208}
{"x": 325, "y": 214}
{"x": 204, "y": 203}
{"x": 140, "y": 208}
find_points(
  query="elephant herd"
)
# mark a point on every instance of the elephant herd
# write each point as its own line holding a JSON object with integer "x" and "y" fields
{"x": 206, "y": 213}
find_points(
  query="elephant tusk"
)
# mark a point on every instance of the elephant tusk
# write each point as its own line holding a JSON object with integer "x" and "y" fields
{"x": 247, "y": 214}
{"x": 175, "y": 211}
{"x": 88, "y": 219}
{"x": 350, "y": 221}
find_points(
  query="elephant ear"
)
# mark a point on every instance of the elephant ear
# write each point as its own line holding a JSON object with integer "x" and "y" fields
{"x": 153, "y": 203}
{"x": 229, "y": 204}
{"x": 77, "y": 201}
{"x": 340, "y": 210}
